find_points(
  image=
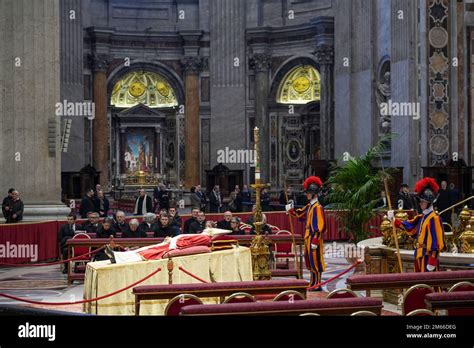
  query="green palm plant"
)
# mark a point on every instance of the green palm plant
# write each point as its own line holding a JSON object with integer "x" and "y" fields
{"x": 355, "y": 190}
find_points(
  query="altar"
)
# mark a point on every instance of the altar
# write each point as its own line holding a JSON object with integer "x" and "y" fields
{"x": 103, "y": 278}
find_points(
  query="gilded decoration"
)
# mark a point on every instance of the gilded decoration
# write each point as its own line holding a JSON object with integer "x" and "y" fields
{"x": 300, "y": 85}
{"x": 143, "y": 87}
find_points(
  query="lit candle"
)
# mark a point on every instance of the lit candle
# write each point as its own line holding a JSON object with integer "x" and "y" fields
{"x": 256, "y": 136}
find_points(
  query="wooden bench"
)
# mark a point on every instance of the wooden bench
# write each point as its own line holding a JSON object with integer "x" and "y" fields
{"x": 406, "y": 280}
{"x": 345, "y": 306}
{"x": 451, "y": 300}
{"x": 222, "y": 289}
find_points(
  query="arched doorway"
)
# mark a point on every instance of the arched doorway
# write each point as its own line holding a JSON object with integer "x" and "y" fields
{"x": 143, "y": 111}
{"x": 294, "y": 102}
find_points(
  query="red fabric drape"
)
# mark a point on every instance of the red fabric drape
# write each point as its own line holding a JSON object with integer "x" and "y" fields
{"x": 43, "y": 235}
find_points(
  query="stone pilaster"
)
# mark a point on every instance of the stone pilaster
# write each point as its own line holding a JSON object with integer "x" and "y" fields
{"x": 100, "y": 151}
{"x": 325, "y": 57}
{"x": 192, "y": 66}
{"x": 261, "y": 63}
{"x": 29, "y": 90}
{"x": 324, "y": 54}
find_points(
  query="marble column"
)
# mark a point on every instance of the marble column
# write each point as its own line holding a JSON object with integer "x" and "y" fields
{"x": 30, "y": 156}
{"x": 325, "y": 57}
{"x": 192, "y": 66}
{"x": 100, "y": 152}
{"x": 260, "y": 63}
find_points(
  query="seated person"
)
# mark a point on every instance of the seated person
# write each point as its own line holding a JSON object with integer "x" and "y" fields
{"x": 188, "y": 222}
{"x": 199, "y": 225}
{"x": 235, "y": 226}
{"x": 265, "y": 228}
{"x": 66, "y": 232}
{"x": 106, "y": 230}
{"x": 133, "y": 231}
{"x": 155, "y": 252}
{"x": 250, "y": 219}
{"x": 164, "y": 228}
{"x": 174, "y": 217}
{"x": 120, "y": 224}
{"x": 225, "y": 224}
{"x": 93, "y": 224}
{"x": 148, "y": 224}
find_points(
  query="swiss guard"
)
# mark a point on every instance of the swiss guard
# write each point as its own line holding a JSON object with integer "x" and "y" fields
{"x": 314, "y": 228}
{"x": 426, "y": 227}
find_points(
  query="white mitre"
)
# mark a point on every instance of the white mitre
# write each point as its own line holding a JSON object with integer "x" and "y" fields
{"x": 212, "y": 231}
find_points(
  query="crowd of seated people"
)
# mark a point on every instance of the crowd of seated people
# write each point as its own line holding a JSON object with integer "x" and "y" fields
{"x": 168, "y": 223}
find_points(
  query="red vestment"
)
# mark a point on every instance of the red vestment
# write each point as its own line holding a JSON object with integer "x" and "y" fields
{"x": 183, "y": 242}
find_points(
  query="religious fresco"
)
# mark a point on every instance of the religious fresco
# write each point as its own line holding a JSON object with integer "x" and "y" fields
{"x": 138, "y": 151}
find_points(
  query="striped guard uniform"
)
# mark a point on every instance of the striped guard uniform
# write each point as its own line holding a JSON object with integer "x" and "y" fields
{"x": 314, "y": 228}
{"x": 428, "y": 228}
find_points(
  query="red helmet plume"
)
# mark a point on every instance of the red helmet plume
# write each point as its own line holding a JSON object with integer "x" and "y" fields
{"x": 426, "y": 182}
{"x": 312, "y": 180}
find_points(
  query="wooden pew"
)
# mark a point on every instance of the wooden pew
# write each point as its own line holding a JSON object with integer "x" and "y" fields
{"x": 221, "y": 289}
{"x": 345, "y": 306}
{"x": 452, "y": 300}
{"x": 406, "y": 280}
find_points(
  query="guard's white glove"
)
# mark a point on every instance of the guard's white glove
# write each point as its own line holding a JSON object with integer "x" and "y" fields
{"x": 390, "y": 215}
{"x": 430, "y": 268}
{"x": 314, "y": 246}
{"x": 289, "y": 206}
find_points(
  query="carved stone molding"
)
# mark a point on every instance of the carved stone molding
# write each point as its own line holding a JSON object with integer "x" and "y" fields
{"x": 260, "y": 62}
{"x": 192, "y": 65}
{"x": 324, "y": 54}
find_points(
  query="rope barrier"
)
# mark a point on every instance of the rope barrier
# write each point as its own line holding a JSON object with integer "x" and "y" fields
{"x": 52, "y": 263}
{"x": 82, "y": 301}
{"x": 192, "y": 275}
{"x": 335, "y": 277}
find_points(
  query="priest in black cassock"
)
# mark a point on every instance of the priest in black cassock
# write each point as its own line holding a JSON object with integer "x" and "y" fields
{"x": 143, "y": 203}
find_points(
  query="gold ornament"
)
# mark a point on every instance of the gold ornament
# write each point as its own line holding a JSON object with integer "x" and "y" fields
{"x": 137, "y": 89}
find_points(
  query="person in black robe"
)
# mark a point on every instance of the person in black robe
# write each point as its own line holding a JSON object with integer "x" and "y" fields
{"x": 133, "y": 231}
{"x": 202, "y": 197}
{"x": 235, "y": 227}
{"x": 6, "y": 203}
{"x": 15, "y": 209}
{"x": 265, "y": 200}
{"x": 93, "y": 224}
{"x": 188, "y": 222}
{"x": 148, "y": 224}
{"x": 164, "y": 228}
{"x": 215, "y": 200}
{"x": 443, "y": 202}
{"x": 87, "y": 204}
{"x": 120, "y": 225}
{"x": 176, "y": 220}
{"x": 406, "y": 200}
{"x": 225, "y": 224}
{"x": 106, "y": 230}
{"x": 199, "y": 225}
{"x": 143, "y": 203}
{"x": 101, "y": 204}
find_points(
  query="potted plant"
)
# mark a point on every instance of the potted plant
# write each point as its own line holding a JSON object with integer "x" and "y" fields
{"x": 355, "y": 191}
